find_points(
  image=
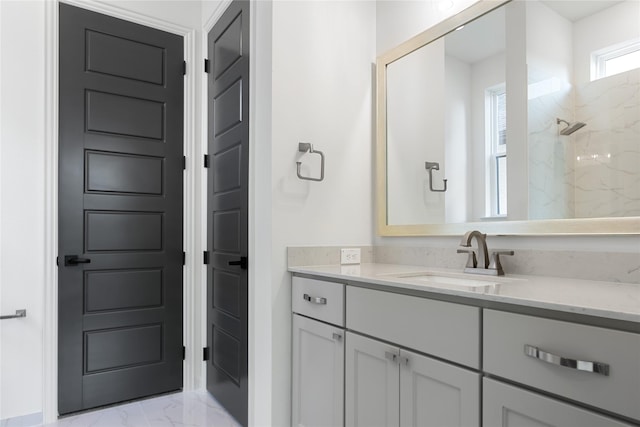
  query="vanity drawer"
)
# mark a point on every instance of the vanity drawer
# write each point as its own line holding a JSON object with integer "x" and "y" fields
{"x": 442, "y": 329}
{"x": 508, "y": 336}
{"x": 318, "y": 299}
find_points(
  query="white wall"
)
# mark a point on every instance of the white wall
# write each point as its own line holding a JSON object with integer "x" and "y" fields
{"x": 22, "y": 205}
{"x": 415, "y": 135}
{"x": 186, "y": 13}
{"x": 458, "y": 136}
{"x": 323, "y": 56}
{"x": 399, "y": 20}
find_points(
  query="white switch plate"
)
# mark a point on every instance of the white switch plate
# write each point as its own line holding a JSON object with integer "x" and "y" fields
{"x": 350, "y": 256}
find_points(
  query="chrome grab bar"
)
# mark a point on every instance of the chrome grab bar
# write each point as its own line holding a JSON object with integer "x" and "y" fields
{"x": 554, "y": 359}
{"x": 19, "y": 313}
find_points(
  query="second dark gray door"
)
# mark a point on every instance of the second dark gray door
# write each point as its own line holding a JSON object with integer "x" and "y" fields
{"x": 120, "y": 211}
{"x": 227, "y": 209}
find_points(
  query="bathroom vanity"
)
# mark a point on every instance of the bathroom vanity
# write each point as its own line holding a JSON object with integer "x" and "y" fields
{"x": 386, "y": 345}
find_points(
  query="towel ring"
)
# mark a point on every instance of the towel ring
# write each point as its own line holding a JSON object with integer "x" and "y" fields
{"x": 305, "y": 147}
{"x": 430, "y": 166}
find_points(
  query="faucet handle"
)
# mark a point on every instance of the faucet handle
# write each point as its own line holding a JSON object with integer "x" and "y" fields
{"x": 472, "y": 261}
{"x": 494, "y": 262}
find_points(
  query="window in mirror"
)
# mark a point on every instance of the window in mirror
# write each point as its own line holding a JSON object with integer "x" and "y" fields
{"x": 497, "y": 149}
{"x": 615, "y": 59}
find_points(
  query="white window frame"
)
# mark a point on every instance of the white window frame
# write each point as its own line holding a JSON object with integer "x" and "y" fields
{"x": 600, "y": 57}
{"x": 494, "y": 151}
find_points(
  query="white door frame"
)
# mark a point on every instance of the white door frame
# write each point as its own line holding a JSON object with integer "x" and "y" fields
{"x": 191, "y": 318}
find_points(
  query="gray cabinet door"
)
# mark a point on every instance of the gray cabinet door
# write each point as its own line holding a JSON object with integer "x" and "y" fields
{"x": 318, "y": 374}
{"x": 434, "y": 393}
{"x": 509, "y": 406}
{"x": 120, "y": 210}
{"x": 372, "y": 383}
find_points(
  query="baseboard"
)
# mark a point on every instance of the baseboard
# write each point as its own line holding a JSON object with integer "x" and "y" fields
{"x": 23, "y": 421}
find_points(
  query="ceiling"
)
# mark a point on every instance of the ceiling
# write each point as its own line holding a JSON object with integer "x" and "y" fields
{"x": 485, "y": 36}
{"x": 575, "y": 10}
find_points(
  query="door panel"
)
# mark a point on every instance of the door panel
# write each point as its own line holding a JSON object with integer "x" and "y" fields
{"x": 318, "y": 374}
{"x": 227, "y": 209}
{"x": 509, "y": 406}
{"x": 434, "y": 393}
{"x": 372, "y": 383}
{"x": 136, "y": 174}
{"x": 143, "y": 62}
{"x": 120, "y": 210}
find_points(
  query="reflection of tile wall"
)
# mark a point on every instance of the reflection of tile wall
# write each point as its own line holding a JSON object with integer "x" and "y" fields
{"x": 607, "y": 150}
{"x": 550, "y": 155}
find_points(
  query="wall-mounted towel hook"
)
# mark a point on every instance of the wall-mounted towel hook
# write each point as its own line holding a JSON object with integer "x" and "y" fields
{"x": 305, "y": 147}
{"x": 430, "y": 166}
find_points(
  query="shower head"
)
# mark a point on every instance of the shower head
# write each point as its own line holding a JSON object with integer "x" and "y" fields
{"x": 571, "y": 127}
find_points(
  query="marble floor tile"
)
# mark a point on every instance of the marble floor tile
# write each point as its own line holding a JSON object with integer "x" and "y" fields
{"x": 193, "y": 409}
{"x": 188, "y": 409}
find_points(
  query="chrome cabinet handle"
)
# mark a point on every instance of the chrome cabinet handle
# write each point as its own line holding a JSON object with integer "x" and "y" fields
{"x": 314, "y": 300}
{"x": 337, "y": 336}
{"x": 391, "y": 356}
{"x": 19, "y": 313}
{"x": 554, "y": 359}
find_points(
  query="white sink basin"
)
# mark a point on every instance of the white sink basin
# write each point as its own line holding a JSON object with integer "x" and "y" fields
{"x": 459, "y": 280}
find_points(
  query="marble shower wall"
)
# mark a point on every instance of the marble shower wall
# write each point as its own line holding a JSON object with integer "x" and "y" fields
{"x": 607, "y": 150}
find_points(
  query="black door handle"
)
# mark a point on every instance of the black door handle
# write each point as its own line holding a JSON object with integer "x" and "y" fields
{"x": 243, "y": 262}
{"x": 71, "y": 260}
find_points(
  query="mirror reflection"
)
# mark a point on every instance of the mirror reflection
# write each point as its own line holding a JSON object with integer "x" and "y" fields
{"x": 529, "y": 112}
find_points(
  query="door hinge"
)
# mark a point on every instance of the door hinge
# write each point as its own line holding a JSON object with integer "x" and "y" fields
{"x": 205, "y": 353}
{"x": 206, "y": 65}
{"x": 184, "y": 352}
{"x": 184, "y": 162}
{"x": 184, "y": 68}
{"x": 184, "y": 258}
{"x": 57, "y": 261}
{"x": 206, "y": 160}
{"x": 205, "y": 258}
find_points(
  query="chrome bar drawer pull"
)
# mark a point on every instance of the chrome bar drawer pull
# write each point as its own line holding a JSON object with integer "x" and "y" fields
{"x": 554, "y": 359}
{"x": 314, "y": 300}
{"x": 19, "y": 313}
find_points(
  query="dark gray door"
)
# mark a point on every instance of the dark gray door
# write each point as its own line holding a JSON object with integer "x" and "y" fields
{"x": 227, "y": 207}
{"x": 120, "y": 210}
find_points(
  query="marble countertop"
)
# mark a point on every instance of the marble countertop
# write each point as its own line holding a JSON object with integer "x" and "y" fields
{"x": 620, "y": 301}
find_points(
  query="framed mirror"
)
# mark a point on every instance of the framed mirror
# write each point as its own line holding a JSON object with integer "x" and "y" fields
{"x": 513, "y": 118}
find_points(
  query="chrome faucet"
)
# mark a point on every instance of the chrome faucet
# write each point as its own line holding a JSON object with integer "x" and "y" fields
{"x": 481, "y": 240}
{"x": 482, "y": 264}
